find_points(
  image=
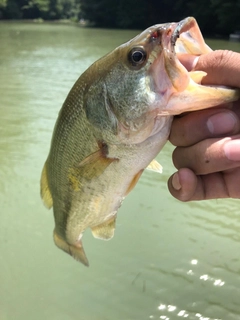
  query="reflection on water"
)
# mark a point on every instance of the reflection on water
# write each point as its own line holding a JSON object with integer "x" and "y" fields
{"x": 168, "y": 260}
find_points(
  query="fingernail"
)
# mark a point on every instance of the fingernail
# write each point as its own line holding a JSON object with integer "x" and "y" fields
{"x": 222, "y": 122}
{"x": 188, "y": 60}
{"x": 195, "y": 61}
{"x": 175, "y": 182}
{"x": 232, "y": 150}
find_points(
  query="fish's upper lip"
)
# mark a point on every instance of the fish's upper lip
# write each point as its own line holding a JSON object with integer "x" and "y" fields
{"x": 182, "y": 26}
{"x": 175, "y": 35}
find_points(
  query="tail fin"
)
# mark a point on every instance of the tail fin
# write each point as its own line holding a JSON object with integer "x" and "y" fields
{"x": 77, "y": 252}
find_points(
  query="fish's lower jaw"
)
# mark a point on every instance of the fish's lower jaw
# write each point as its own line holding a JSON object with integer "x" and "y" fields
{"x": 199, "y": 97}
{"x": 76, "y": 251}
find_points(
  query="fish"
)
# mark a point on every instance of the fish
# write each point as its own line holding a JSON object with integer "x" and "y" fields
{"x": 114, "y": 122}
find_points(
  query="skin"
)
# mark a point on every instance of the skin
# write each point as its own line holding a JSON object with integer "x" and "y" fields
{"x": 207, "y": 153}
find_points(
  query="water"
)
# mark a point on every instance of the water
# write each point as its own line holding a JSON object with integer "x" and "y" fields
{"x": 168, "y": 260}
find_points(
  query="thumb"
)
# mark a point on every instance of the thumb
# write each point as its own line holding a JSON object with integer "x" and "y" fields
{"x": 222, "y": 68}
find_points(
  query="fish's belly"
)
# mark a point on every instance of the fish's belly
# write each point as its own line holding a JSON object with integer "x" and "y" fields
{"x": 97, "y": 203}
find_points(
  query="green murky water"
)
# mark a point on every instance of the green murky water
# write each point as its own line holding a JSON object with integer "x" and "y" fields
{"x": 168, "y": 260}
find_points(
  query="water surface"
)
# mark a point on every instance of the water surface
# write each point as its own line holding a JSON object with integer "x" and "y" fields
{"x": 168, "y": 260}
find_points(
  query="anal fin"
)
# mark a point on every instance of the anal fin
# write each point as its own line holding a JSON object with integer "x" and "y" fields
{"x": 45, "y": 191}
{"x": 105, "y": 231}
{"x": 76, "y": 251}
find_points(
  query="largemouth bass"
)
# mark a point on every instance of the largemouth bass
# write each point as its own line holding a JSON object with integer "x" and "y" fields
{"x": 114, "y": 122}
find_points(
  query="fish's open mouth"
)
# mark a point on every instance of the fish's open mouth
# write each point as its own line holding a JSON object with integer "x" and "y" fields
{"x": 180, "y": 41}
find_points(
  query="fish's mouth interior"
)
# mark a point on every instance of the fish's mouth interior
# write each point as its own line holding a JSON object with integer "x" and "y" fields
{"x": 187, "y": 39}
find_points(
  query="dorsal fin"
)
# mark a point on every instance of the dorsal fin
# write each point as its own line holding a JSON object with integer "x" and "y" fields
{"x": 45, "y": 191}
{"x": 155, "y": 166}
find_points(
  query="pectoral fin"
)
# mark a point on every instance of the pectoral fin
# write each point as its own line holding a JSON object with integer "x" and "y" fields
{"x": 94, "y": 165}
{"x": 105, "y": 231}
{"x": 91, "y": 167}
{"x": 76, "y": 251}
{"x": 45, "y": 191}
{"x": 155, "y": 166}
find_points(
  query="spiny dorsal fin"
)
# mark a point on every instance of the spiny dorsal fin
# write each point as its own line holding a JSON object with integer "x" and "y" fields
{"x": 45, "y": 191}
{"x": 155, "y": 166}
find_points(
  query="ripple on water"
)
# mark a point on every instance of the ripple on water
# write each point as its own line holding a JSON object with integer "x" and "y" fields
{"x": 208, "y": 297}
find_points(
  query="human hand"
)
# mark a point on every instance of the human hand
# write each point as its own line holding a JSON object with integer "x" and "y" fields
{"x": 207, "y": 153}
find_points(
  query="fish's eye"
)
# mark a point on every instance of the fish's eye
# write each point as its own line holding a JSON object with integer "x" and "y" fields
{"x": 137, "y": 56}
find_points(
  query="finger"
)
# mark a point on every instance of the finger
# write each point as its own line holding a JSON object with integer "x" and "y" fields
{"x": 188, "y": 60}
{"x": 186, "y": 186}
{"x": 190, "y": 187}
{"x": 182, "y": 184}
{"x": 235, "y": 107}
{"x": 208, "y": 156}
{"x": 222, "y": 67}
{"x": 232, "y": 179}
{"x": 197, "y": 126}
